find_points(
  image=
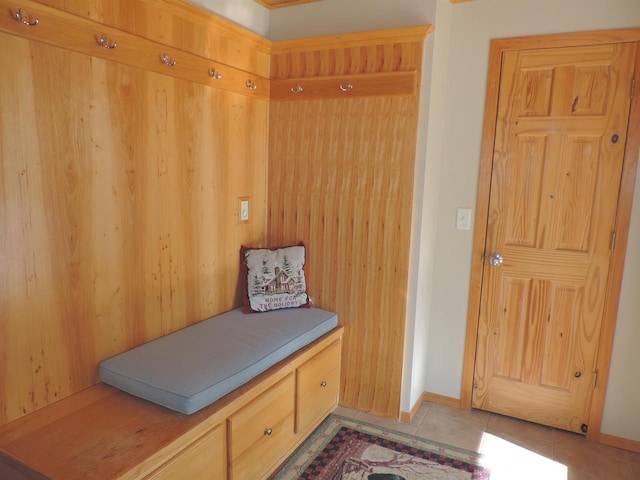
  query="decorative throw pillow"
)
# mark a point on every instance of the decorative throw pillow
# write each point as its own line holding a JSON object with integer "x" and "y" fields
{"x": 274, "y": 278}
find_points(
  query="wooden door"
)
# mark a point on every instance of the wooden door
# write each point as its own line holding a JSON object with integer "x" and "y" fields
{"x": 558, "y": 154}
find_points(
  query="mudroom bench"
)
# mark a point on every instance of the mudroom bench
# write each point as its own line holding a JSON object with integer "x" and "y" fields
{"x": 242, "y": 425}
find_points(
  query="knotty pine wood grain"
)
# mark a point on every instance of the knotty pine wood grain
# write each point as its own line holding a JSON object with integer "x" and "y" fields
{"x": 118, "y": 212}
{"x": 329, "y": 56}
{"x": 70, "y": 32}
{"x": 88, "y": 435}
{"x": 343, "y": 183}
{"x": 179, "y": 24}
{"x": 341, "y": 180}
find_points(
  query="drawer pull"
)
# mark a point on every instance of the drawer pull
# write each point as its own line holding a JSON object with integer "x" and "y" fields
{"x": 323, "y": 384}
{"x": 268, "y": 432}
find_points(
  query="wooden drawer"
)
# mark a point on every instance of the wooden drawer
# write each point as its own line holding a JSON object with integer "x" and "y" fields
{"x": 262, "y": 431}
{"x": 204, "y": 459}
{"x": 318, "y": 387}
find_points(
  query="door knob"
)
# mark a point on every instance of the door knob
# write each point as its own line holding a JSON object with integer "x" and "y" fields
{"x": 495, "y": 259}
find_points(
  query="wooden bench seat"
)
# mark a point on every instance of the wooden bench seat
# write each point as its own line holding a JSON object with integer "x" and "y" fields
{"x": 103, "y": 433}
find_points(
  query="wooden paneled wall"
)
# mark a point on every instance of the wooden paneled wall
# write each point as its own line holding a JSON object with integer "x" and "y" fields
{"x": 119, "y": 194}
{"x": 179, "y": 24}
{"x": 119, "y": 188}
{"x": 341, "y": 179}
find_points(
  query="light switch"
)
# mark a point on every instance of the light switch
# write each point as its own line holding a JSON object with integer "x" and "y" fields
{"x": 463, "y": 219}
{"x": 244, "y": 210}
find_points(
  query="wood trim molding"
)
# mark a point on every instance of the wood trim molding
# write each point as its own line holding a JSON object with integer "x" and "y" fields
{"x": 623, "y": 443}
{"x": 408, "y": 417}
{"x": 612, "y": 298}
{"x": 480, "y": 231}
{"x": 363, "y": 85}
{"x": 498, "y": 47}
{"x": 441, "y": 400}
{"x": 80, "y": 34}
{"x": 282, "y": 3}
{"x": 350, "y": 40}
{"x": 429, "y": 397}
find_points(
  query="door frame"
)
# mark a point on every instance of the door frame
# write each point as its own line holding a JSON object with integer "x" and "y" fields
{"x": 623, "y": 214}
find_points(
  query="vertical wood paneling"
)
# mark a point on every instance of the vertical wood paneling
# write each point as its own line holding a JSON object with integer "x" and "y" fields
{"x": 118, "y": 212}
{"x": 341, "y": 180}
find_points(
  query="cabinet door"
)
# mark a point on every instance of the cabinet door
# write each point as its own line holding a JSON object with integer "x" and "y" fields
{"x": 318, "y": 387}
{"x": 261, "y": 432}
{"x": 204, "y": 459}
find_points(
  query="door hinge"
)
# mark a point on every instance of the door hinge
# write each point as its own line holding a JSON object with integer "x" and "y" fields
{"x": 633, "y": 87}
{"x": 595, "y": 379}
{"x": 613, "y": 241}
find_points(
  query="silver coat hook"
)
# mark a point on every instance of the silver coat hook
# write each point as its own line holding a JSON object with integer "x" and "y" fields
{"x": 215, "y": 75}
{"x": 346, "y": 87}
{"x": 251, "y": 85}
{"x": 104, "y": 41}
{"x": 166, "y": 59}
{"x": 297, "y": 89}
{"x": 21, "y": 16}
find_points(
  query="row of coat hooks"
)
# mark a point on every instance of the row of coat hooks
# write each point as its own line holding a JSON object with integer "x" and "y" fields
{"x": 22, "y": 17}
{"x": 343, "y": 88}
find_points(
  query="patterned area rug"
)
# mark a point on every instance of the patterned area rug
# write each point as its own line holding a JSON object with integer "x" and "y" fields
{"x": 345, "y": 449}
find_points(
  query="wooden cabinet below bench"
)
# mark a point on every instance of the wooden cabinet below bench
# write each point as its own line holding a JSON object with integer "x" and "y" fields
{"x": 318, "y": 382}
{"x": 102, "y": 433}
{"x": 261, "y": 430}
{"x": 202, "y": 460}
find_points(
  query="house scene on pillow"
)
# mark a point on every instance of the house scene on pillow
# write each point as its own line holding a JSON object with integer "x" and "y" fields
{"x": 275, "y": 278}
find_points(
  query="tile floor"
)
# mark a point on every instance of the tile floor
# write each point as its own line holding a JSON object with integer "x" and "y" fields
{"x": 514, "y": 449}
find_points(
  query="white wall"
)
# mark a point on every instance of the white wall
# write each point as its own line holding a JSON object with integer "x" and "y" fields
{"x": 331, "y": 17}
{"x": 427, "y": 189}
{"x": 447, "y": 169}
{"x": 247, "y": 13}
{"x": 622, "y": 406}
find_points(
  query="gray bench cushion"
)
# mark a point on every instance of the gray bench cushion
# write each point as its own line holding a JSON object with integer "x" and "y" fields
{"x": 191, "y": 368}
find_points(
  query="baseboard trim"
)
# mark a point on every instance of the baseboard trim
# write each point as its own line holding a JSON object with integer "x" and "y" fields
{"x": 407, "y": 417}
{"x": 619, "y": 442}
{"x": 441, "y": 400}
{"x": 433, "y": 398}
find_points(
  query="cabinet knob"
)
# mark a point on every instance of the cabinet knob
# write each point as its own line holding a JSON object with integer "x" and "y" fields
{"x": 323, "y": 384}
{"x": 268, "y": 432}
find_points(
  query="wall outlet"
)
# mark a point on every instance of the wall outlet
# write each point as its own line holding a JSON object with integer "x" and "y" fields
{"x": 243, "y": 212}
